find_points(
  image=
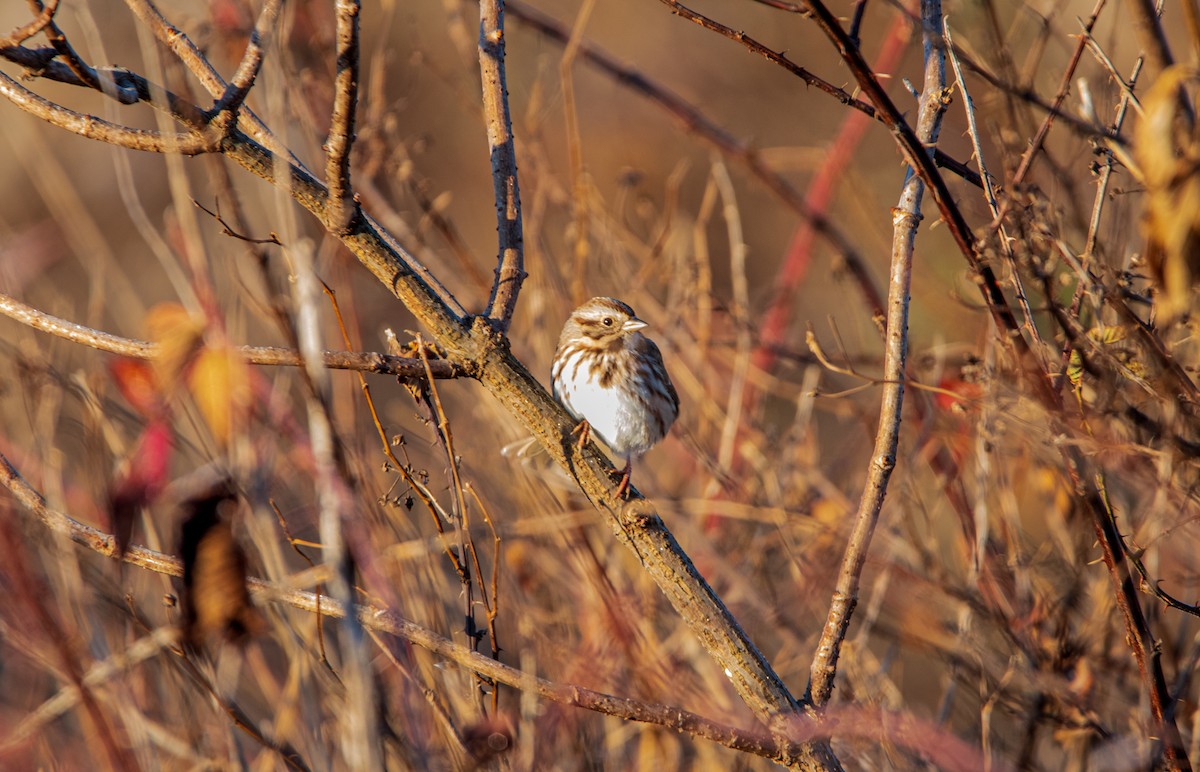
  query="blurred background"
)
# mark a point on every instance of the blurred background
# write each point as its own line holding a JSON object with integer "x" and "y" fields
{"x": 646, "y": 188}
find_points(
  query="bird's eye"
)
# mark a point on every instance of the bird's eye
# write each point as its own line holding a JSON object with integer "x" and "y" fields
{"x": 608, "y": 321}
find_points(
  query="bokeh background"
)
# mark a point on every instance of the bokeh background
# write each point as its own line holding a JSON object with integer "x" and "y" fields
{"x": 761, "y": 477}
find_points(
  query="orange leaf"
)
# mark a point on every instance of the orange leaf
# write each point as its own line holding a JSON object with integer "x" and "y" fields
{"x": 136, "y": 382}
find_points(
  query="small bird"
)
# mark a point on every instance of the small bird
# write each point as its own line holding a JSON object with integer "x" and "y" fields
{"x": 612, "y": 378}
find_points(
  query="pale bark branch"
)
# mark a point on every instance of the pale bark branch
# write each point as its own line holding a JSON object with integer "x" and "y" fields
{"x": 368, "y": 361}
{"x": 192, "y": 143}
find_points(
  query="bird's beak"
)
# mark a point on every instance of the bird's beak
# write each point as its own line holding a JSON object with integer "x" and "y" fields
{"x": 633, "y": 325}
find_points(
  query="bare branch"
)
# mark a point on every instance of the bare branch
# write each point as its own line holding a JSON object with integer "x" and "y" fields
{"x": 115, "y": 82}
{"x": 24, "y": 32}
{"x": 384, "y": 364}
{"x": 90, "y": 126}
{"x": 196, "y": 63}
{"x": 247, "y": 71}
{"x": 905, "y": 219}
{"x": 342, "y": 208}
{"x": 510, "y": 262}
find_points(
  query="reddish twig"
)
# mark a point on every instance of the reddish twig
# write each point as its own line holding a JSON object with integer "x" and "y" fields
{"x": 775, "y": 324}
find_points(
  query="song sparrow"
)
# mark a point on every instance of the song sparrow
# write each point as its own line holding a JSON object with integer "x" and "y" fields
{"x": 612, "y": 378}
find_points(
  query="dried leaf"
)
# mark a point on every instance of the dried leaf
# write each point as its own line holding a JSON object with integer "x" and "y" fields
{"x": 1169, "y": 157}
{"x": 220, "y": 383}
{"x": 216, "y": 601}
{"x": 177, "y": 334}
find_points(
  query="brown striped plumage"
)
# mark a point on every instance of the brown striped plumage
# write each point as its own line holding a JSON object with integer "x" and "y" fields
{"x": 611, "y": 377}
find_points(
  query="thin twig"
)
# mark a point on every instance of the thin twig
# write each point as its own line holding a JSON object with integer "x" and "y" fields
{"x": 21, "y": 34}
{"x": 1064, "y": 88}
{"x": 919, "y": 158}
{"x": 841, "y": 95}
{"x": 1154, "y": 41}
{"x": 190, "y": 55}
{"x": 905, "y": 219}
{"x": 384, "y": 364}
{"x": 247, "y": 72}
{"x": 388, "y": 621}
{"x": 989, "y": 189}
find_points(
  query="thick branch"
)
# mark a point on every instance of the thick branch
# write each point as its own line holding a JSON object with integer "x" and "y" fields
{"x": 484, "y": 352}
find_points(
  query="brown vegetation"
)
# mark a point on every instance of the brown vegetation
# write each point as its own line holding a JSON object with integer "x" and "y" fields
{"x": 922, "y": 275}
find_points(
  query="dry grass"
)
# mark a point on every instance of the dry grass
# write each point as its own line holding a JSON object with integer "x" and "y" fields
{"x": 988, "y": 625}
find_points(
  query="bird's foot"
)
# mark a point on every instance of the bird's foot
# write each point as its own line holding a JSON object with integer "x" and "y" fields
{"x": 626, "y": 473}
{"x": 584, "y": 430}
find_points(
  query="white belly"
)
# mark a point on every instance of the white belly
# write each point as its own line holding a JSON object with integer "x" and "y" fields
{"x": 623, "y": 424}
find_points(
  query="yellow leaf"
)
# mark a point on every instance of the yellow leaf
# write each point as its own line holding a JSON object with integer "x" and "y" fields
{"x": 220, "y": 384}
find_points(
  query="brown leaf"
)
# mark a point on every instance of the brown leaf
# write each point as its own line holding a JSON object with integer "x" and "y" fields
{"x": 216, "y": 601}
